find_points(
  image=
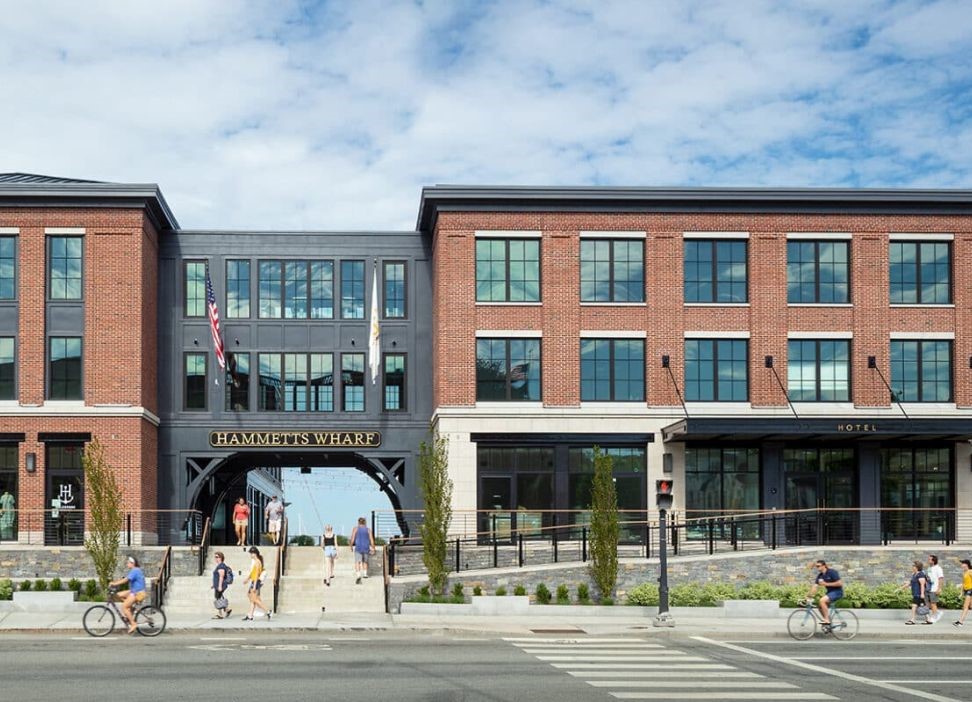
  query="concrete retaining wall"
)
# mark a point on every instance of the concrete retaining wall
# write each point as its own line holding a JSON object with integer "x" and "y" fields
{"x": 859, "y": 564}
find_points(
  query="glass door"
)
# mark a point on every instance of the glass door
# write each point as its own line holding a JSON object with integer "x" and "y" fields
{"x": 64, "y": 520}
{"x": 802, "y": 494}
{"x": 496, "y": 501}
{"x": 821, "y": 484}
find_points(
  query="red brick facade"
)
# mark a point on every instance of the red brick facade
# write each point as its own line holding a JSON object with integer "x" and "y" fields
{"x": 768, "y": 318}
{"x": 120, "y": 269}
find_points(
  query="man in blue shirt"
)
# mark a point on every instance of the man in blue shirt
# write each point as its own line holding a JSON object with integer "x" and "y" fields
{"x": 136, "y": 591}
{"x": 830, "y": 579}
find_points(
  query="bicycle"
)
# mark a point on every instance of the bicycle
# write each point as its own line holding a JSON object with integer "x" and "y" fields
{"x": 99, "y": 620}
{"x": 802, "y": 623}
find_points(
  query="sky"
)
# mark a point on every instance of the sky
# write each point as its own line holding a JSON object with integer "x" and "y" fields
{"x": 333, "y": 115}
{"x": 335, "y": 496}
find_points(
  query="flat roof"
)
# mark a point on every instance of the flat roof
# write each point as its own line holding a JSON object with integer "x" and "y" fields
{"x": 489, "y": 198}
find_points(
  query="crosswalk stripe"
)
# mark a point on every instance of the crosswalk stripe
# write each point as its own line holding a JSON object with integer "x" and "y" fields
{"x": 708, "y": 684}
{"x": 603, "y": 644}
{"x": 643, "y": 666}
{"x": 663, "y": 674}
{"x": 708, "y": 695}
{"x": 581, "y": 659}
{"x": 535, "y": 639}
{"x": 625, "y": 652}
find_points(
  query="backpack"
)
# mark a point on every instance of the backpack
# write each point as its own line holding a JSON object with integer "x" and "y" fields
{"x": 228, "y": 576}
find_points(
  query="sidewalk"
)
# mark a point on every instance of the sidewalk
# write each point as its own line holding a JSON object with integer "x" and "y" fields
{"x": 873, "y": 624}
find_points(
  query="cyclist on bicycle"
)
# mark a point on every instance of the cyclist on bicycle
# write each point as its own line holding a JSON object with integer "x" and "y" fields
{"x": 136, "y": 591}
{"x": 830, "y": 579}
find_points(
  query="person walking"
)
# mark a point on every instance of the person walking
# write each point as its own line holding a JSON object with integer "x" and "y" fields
{"x": 241, "y": 517}
{"x": 274, "y": 514}
{"x": 936, "y": 582}
{"x": 254, "y": 582}
{"x": 918, "y": 584}
{"x": 966, "y": 591}
{"x": 222, "y": 577}
{"x": 363, "y": 546}
{"x": 329, "y": 543}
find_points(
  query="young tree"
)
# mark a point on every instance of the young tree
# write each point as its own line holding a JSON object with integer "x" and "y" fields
{"x": 437, "y": 494}
{"x": 605, "y": 530}
{"x": 104, "y": 511}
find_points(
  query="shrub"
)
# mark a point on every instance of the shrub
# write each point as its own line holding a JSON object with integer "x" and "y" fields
{"x": 56, "y": 584}
{"x": 501, "y": 591}
{"x": 6, "y": 589}
{"x": 519, "y": 590}
{"x": 91, "y": 588}
{"x": 75, "y": 585}
{"x": 644, "y": 595}
{"x": 25, "y": 586}
{"x": 607, "y": 601}
{"x": 543, "y": 594}
{"x": 583, "y": 594}
{"x": 40, "y": 585}
{"x": 302, "y": 540}
{"x": 424, "y": 591}
{"x": 477, "y": 591}
{"x": 457, "y": 592}
{"x": 690, "y": 595}
{"x": 563, "y": 595}
{"x": 950, "y": 597}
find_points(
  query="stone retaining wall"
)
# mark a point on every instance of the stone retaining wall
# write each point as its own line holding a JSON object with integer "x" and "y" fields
{"x": 66, "y": 562}
{"x": 859, "y": 564}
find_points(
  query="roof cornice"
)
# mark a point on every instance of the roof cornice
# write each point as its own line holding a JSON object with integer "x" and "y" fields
{"x": 463, "y": 198}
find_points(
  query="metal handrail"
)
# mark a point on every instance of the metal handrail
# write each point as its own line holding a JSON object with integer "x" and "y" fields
{"x": 162, "y": 581}
{"x": 279, "y": 565}
{"x": 204, "y": 546}
{"x": 65, "y": 527}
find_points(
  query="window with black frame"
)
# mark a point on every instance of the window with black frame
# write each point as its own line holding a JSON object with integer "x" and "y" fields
{"x": 508, "y": 370}
{"x": 818, "y": 370}
{"x": 717, "y": 370}
{"x": 921, "y": 371}
{"x": 612, "y": 270}
{"x": 716, "y": 271}
{"x": 516, "y": 488}
{"x": 64, "y": 369}
{"x": 507, "y": 270}
{"x": 916, "y": 493}
{"x": 818, "y": 272}
{"x": 9, "y": 498}
{"x": 237, "y": 289}
{"x": 920, "y": 272}
{"x": 8, "y": 368}
{"x": 612, "y": 370}
{"x": 721, "y": 482}
{"x": 237, "y": 382}
{"x": 628, "y": 466}
{"x": 8, "y": 268}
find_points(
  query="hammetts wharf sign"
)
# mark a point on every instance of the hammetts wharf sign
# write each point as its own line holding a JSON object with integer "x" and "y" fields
{"x": 294, "y": 439}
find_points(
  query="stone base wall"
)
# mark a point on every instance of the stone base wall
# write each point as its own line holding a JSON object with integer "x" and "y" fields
{"x": 66, "y": 562}
{"x": 856, "y": 564}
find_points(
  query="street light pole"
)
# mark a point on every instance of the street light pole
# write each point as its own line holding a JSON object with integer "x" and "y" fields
{"x": 663, "y": 499}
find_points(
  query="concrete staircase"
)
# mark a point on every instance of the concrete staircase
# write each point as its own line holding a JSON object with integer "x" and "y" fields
{"x": 193, "y": 595}
{"x": 302, "y": 586}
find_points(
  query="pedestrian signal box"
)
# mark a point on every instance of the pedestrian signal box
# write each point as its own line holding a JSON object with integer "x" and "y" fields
{"x": 663, "y": 494}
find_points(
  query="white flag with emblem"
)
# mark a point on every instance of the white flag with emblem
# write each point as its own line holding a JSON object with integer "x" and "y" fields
{"x": 374, "y": 339}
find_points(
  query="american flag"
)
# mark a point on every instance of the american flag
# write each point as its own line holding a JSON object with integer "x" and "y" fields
{"x": 214, "y": 322}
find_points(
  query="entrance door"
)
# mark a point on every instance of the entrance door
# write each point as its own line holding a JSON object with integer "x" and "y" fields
{"x": 64, "y": 525}
{"x": 827, "y": 496}
{"x": 496, "y": 498}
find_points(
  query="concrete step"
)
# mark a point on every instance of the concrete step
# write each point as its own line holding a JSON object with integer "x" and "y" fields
{"x": 194, "y": 594}
{"x": 307, "y": 593}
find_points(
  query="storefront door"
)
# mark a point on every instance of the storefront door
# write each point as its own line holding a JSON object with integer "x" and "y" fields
{"x": 64, "y": 524}
{"x": 496, "y": 498}
{"x": 824, "y": 499}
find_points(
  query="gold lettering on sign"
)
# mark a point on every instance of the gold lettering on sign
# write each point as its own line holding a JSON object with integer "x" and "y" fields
{"x": 342, "y": 439}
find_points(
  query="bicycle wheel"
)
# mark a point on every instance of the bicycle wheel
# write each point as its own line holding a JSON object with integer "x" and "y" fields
{"x": 843, "y": 625}
{"x": 801, "y": 624}
{"x": 98, "y": 620}
{"x": 150, "y": 621}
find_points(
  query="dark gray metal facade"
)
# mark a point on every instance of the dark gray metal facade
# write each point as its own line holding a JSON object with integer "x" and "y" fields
{"x": 193, "y": 473}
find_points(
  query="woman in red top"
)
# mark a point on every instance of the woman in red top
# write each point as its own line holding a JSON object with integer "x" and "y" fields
{"x": 241, "y": 515}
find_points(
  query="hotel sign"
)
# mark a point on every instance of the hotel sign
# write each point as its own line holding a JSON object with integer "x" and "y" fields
{"x": 294, "y": 439}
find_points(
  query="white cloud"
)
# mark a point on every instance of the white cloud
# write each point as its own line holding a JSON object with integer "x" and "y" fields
{"x": 282, "y": 115}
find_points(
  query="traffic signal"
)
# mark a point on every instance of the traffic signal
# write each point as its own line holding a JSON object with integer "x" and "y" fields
{"x": 663, "y": 494}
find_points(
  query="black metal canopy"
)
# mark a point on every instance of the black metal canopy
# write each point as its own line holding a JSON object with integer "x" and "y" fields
{"x": 818, "y": 429}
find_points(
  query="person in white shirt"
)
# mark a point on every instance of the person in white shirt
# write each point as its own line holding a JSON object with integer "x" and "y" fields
{"x": 936, "y": 581}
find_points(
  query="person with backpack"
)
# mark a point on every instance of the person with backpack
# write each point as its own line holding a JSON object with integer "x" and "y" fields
{"x": 919, "y": 587}
{"x": 222, "y": 579}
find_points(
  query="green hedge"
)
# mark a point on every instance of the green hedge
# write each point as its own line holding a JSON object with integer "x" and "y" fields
{"x": 6, "y": 589}
{"x": 856, "y": 596}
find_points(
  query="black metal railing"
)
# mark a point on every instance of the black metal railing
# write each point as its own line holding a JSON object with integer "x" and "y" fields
{"x": 203, "y": 550}
{"x": 280, "y": 564}
{"x": 162, "y": 581}
{"x": 66, "y": 527}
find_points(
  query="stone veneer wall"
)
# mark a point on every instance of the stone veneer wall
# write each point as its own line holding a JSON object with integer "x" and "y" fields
{"x": 857, "y": 564}
{"x": 68, "y": 562}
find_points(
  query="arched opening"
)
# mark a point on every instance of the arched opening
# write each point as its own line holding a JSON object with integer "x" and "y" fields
{"x": 222, "y": 480}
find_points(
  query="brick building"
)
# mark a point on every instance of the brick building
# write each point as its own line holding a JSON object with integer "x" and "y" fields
{"x": 766, "y": 349}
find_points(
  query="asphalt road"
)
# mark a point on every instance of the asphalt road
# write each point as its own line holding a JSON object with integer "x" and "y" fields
{"x": 405, "y": 666}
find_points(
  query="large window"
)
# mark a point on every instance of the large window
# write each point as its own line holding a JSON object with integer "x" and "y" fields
{"x": 916, "y": 492}
{"x": 352, "y": 381}
{"x": 720, "y": 481}
{"x": 237, "y": 382}
{"x": 716, "y": 370}
{"x": 921, "y": 371}
{"x": 508, "y": 369}
{"x": 195, "y": 288}
{"x": 394, "y": 289}
{"x": 612, "y": 370}
{"x": 715, "y": 271}
{"x": 516, "y": 478}
{"x": 8, "y": 492}
{"x": 628, "y": 467}
{"x": 322, "y": 289}
{"x": 394, "y": 382}
{"x": 8, "y": 267}
{"x": 237, "y": 289}
{"x": 818, "y": 370}
{"x": 921, "y": 273}
{"x": 8, "y": 369}
{"x": 64, "y": 371}
{"x": 352, "y": 290}
{"x": 612, "y": 270}
{"x": 296, "y": 289}
{"x": 507, "y": 270}
{"x": 818, "y": 272}
{"x": 296, "y": 382}
{"x": 195, "y": 382}
{"x": 64, "y": 259}
{"x": 271, "y": 289}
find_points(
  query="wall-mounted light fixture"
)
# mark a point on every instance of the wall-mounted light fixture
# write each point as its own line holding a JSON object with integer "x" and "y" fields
{"x": 196, "y": 342}
{"x": 352, "y": 342}
{"x": 30, "y": 462}
{"x": 768, "y": 361}
{"x": 872, "y": 361}
{"x": 665, "y": 360}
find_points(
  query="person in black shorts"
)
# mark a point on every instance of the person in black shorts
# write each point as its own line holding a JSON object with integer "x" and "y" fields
{"x": 830, "y": 579}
